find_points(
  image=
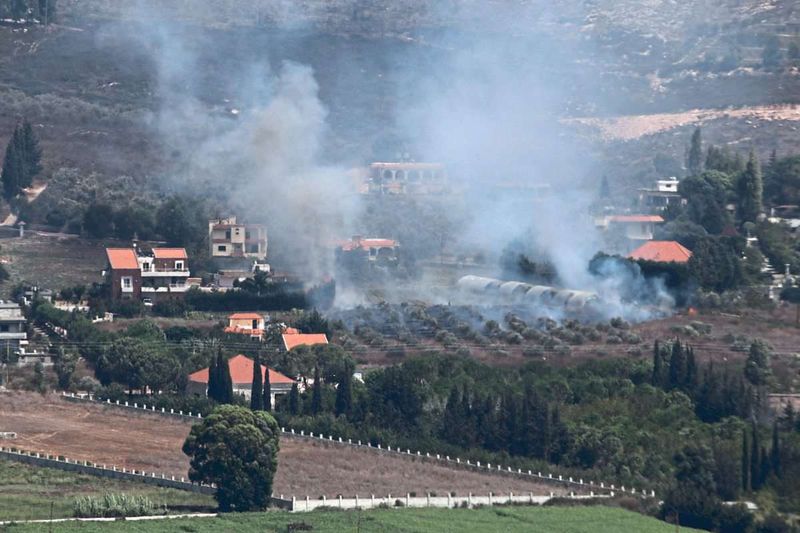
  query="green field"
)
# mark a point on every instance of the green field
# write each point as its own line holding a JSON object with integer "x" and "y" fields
{"x": 27, "y": 492}
{"x": 506, "y": 519}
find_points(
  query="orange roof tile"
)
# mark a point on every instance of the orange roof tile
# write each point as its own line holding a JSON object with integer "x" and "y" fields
{"x": 366, "y": 244}
{"x": 294, "y": 340}
{"x": 662, "y": 252}
{"x": 246, "y": 316}
{"x": 122, "y": 258}
{"x": 170, "y": 253}
{"x": 635, "y": 218}
{"x": 241, "y": 368}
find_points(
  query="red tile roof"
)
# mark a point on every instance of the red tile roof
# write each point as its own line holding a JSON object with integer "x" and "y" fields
{"x": 635, "y": 218}
{"x": 241, "y": 368}
{"x": 293, "y": 340}
{"x": 122, "y": 258}
{"x": 170, "y": 253}
{"x": 245, "y": 316}
{"x": 662, "y": 252}
{"x": 366, "y": 244}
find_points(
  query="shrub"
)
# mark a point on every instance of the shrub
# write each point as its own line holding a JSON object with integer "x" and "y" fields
{"x": 533, "y": 351}
{"x": 114, "y": 505}
{"x": 170, "y": 308}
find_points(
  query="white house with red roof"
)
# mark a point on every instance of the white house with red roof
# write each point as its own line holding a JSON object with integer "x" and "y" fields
{"x": 292, "y": 338}
{"x": 241, "y": 368}
{"x": 250, "y": 324}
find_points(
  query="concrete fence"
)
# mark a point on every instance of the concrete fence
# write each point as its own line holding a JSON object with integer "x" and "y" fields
{"x": 452, "y": 462}
{"x": 449, "y": 501}
{"x": 114, "y": 472}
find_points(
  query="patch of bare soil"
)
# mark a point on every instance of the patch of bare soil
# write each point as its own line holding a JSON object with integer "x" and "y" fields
{"x": 626, "y": 128}
{"x": 108, "y": 435}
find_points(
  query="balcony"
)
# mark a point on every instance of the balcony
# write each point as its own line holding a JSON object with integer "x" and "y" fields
{"x": 172, "y": 287}
{"x": 153, "y": 272}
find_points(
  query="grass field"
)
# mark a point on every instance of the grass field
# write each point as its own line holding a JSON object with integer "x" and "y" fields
{"x": 505, "y": 519}
{"x": 27, "y": 492}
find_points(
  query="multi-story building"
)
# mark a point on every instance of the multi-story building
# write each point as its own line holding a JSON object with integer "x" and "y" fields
{"x": 13, "y": 333}
{"x": 665, "y": 194}
{"x": 228, "y": 238}
{"x": 160, "y": 275}
{"x": 406, "y": 178}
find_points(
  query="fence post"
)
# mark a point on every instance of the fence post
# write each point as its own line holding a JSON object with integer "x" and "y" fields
{"x": 340, "y": 501}
{"x": 356, "y": 501}
{"x": 306, "y": 502}
{"x": 490, "y": 498}
{"x": 469, "y": 499}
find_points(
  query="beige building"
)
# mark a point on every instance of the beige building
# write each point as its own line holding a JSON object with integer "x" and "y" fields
{"x": 229, "y": 238}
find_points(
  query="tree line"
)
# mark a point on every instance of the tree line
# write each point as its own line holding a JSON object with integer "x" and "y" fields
{"x": 22, "y": 160}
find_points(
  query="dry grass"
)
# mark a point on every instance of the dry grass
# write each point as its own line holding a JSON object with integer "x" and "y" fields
{"x": 108, "y": 435}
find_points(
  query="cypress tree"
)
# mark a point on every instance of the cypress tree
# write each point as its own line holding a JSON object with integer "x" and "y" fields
{"x": 31, "y": 153}
{"x": 226, "y": 383}
{"x": 316, "y": 396}
{"x": 763, "y": 467}
{"x": 694, "y": 159}
{"x": 466, "y": 414}
{"x": 750, "y": 190}
{"x": 294, "y": 400}
{"x": 775, "y": 452}
{"x": 256, "y": 393}
{"x": 267, "y": 396}
{"x": 755, "y": 459}
{"x": 213, "y": 379}
{"x": 746, "y": 483}
{"x": 677, "y": 366}
{"x": 692, "y": 378}
{"x": 344, "y": 392}
{"x": 451, "y": 418}
{"x": 658, "y": 366}
{"x": 13, "y": 167}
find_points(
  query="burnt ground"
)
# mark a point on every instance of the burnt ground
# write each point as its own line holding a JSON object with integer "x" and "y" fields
{"x": 108, "y": 435}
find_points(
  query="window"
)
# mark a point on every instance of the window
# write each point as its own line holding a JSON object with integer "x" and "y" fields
{"x": 145, "y": 267}
{"x": 222, "y": 248}
{"x": 127, "y": 284}
{"x": 247, "y": 235}
{"x": 228, "y": 234}
{"x": 4, "y": 328}
{"x": 178, "y": 265}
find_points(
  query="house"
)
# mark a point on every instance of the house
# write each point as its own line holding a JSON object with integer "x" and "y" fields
{"x": 229, "y": 238}
{"x": 241, "y": 368}
{"x": 406, "y": 178}
{"x": 13, "y": 331}
{"x": 250, "y": 324}
{"x": 632, "y": 227}
{"x": 293, "y": 338}
{"x": 664, "y": 194}
{"x": 372, "y": 250}
{"x": 162, "y": 274}
{"x": 662, "y": 252}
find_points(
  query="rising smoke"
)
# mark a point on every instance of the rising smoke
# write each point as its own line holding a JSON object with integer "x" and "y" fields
{"x": 488, "y": 106}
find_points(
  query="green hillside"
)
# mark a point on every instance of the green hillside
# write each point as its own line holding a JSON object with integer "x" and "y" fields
{"x": 506, "y": 519}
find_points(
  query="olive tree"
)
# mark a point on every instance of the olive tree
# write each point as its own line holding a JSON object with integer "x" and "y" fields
{"x": 237, "y": 450}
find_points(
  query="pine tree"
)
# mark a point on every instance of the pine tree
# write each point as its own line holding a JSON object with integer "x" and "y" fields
{"x": 451, "y": 418}
{"x": 764, "y": 467}
{"x": 294, "y": 400}
{"x": 746, "y": 483}
{"x": 775, "y": 452}
{"x": 213, "y": 379}
{"x": 694, "y": 159}
{"x": 789, "y": 417}
{"x": 344, "y": 392}
{"x": 256, "y": 392}
{"x": 316, "y": 395}
{"x": 267, "y": 394}
{"x": 750, "y": 190}
{"x": 467, "y": 429}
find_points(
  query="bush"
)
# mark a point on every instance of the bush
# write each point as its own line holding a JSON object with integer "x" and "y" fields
{"x": 233, "y": 300}
{"x": 170, "y": 308}
{"x": 115, "y": 505}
